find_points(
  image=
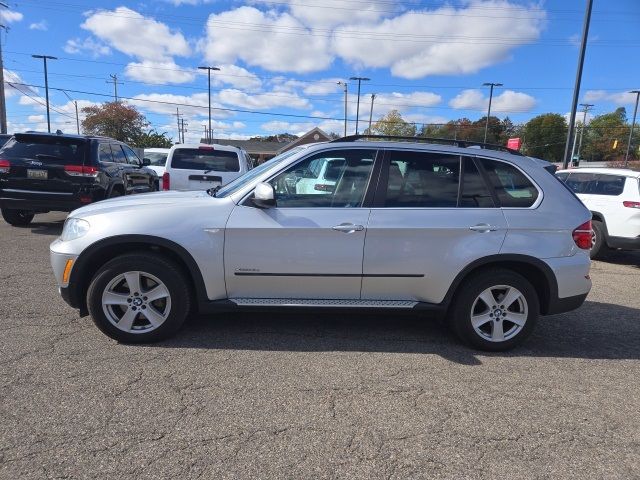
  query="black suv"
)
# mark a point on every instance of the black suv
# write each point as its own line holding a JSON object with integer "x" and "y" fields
{"x": 43, "y": 172}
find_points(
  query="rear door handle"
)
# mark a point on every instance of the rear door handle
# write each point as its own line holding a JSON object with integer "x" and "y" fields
{"x": 483, "y": 227}
{"x": 348, "y": 228}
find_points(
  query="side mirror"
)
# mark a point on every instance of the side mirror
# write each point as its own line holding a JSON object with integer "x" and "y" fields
{"x": 146, "y": 162}
{"x": 264, "y": 196}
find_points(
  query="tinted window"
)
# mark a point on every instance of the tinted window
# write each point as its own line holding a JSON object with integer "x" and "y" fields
{"x": 205, "y": 159}
{"x": 118, "y": 154}
{"x": 608, "y": 185}
{"x": 104, "y": 153}
{"x": 581, "y": 182}
{"x": 475, "y": 193}
{"x": 157, "y": 159}
{"x": 511, "y": 186}
{"x": 132, "y": 158}
{"x": 418, "y": 179}
{"x": 298, "y": 187}
{"x": 562, "y": 176}
{"x": 46, "y": 149}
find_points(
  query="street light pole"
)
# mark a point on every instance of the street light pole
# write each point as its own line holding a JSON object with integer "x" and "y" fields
{"x": 46, "y": 85}
{"x": 486, "y": 125}
{"x": 208, "y": 69}
{"x": 587, "y": 107}
{"x": 633, "y": 124}
{"x": 576, "y": 89}
{"x": 359, "y": 79}
{"x": 76, "y": 105}
{"x": 345, "y": 85}
{"x": 373, "y": 97}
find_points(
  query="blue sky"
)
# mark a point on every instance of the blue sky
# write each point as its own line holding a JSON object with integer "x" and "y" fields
{"x": 280, "y": 60}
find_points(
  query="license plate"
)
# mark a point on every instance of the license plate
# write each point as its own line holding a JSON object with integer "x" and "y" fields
{"x": 37, "y": 174}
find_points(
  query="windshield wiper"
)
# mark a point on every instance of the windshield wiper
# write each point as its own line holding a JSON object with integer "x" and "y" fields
{"x": 210, "y": 170}
{"x": 213, "y": 191}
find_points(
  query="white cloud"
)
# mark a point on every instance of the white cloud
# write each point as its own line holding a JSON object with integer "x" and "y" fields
{"x": 323, "y": 87}
{"x": 235, "y": 76}
{"x": 158, "y": 73}
{"x": 89, "y": 45}
{"x": 134, "y": 34}
{"x": 41, "y": 25}
{"x": 266, "y": 100}
{"x": 165, "y": 103}
{"x": 618, "y": 98}
{"x": 10, "y": 16}
{"x": 36, "y": 118}
{"x": 455, "y": 42}
{"x": 12, "y": 77}
{"x": 507, "y": 101}
{"x": 268, "y": 44}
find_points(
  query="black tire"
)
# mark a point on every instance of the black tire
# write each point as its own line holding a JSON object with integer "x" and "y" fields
{"x": 115, "y": 193}
{"x": 163, "y": 269}
{"x": 465, "y": 298}
{"x": 17, "y": 218}
{"x": 599, "y": 244}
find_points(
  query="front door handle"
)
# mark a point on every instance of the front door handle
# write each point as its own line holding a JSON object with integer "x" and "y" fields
{"x": 483, "y": 227}
{"x": 348, "y": 228}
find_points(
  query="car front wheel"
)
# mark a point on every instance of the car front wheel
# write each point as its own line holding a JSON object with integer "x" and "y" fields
{"x": 495, "y": 310}
{"x": 139, "y": 298}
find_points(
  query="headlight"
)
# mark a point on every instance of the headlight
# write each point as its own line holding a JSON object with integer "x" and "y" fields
{"x": 74, "y": 228}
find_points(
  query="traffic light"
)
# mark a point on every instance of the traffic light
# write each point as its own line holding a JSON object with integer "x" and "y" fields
{"x": 615, "y": 144}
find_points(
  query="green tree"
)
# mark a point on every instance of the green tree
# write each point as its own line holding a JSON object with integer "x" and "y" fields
{"x": 393, "y": 124}
{"x": 545, "y": 137}
{"x": 153, "y": 139}
{"x": 116, "y": 120}
{"x": 606, "y": 136}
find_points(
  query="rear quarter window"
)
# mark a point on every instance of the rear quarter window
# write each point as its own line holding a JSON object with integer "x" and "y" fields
{"x": 46, "y": 149}
{"x": 204, "y": 159}
{"x": 611, "y": 185}
{"x": 511, "y": 186}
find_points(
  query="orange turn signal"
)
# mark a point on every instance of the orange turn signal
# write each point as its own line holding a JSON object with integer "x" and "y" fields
{"x": 67, "y": 271}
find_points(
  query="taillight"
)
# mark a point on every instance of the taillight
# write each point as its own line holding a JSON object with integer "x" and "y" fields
{"x": 626, "y": 204}
{"x": 583, "y": 235}
{"x": 166, "y": 181}
{"x": 81, "y": 171}
{"x": 323, "y": 187}
{"x": 5, "y": 166}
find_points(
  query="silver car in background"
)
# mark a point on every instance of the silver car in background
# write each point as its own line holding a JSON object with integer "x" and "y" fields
{"x": 482, "y": 236}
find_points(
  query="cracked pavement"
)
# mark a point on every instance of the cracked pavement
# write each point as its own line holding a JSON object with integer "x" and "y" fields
{"x": 313, "y": 395}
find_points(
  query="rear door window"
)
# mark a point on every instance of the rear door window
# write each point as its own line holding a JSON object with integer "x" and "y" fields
{"x": 581, "y": 182}
{"x": 46, "y": 149}
{"x": 510, "y": 185}
{"x": 118, "y": 154}
{"x": 612, "y": 185}
{"x": 205, "y": 159}
{"x": 474, "y": 193}
{"x": 104, "y": 153}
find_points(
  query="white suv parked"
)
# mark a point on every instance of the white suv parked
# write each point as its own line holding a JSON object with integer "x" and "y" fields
{"x": 488, "y": 238}
{"x": 613, "y": 196}
{"x": 203, "y": 166}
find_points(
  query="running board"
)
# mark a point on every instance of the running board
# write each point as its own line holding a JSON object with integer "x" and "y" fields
{"x": 312, "y": 302}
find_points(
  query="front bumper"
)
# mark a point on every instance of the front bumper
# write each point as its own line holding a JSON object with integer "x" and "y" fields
{"x": 625, "y": 243}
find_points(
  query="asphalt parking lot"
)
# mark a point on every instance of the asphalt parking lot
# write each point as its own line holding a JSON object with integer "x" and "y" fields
{"x": 313, "y": 396}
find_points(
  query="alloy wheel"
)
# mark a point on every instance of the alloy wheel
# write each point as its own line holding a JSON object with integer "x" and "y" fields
{"x": 136, "y": 302}
{"x": 499, "y": 313}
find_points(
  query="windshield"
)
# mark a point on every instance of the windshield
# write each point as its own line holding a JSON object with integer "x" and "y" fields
{"x": 158, "y": 159}
{"x": 241, "y": 181}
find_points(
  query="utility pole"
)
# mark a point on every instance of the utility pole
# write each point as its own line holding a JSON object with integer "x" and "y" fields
{"x": 114, "y": 80}
{"x": 208, "y": 69}
{"x": 486, "y": 125}
{"x": 345, "y": 85}
{"x": 46, "y": 85}
{"x": 576, "y": 89}
{"x": 360, "y": 80}
{"x": 3, "y": 101}
{"x": 183, "y": 129}
{"x": 76, "y": 105}
{"x": 373, "y": 97}
{"x": 178, "y": 119}
{"x": 587, "y": 107}
{"x": 633, "y": 124}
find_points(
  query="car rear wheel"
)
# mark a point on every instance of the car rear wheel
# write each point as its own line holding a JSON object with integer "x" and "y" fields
{"x": 598, "y": 244}
{"x": 17, "y": 218}
{"x": 139, "y": 298}
{"x": 495, "y": 310}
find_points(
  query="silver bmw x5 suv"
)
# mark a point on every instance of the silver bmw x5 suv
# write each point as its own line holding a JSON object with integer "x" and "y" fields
{"x": 482, "y": 236}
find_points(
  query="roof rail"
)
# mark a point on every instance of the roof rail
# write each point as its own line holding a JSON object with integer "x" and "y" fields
{"x": 438, "y": 141}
